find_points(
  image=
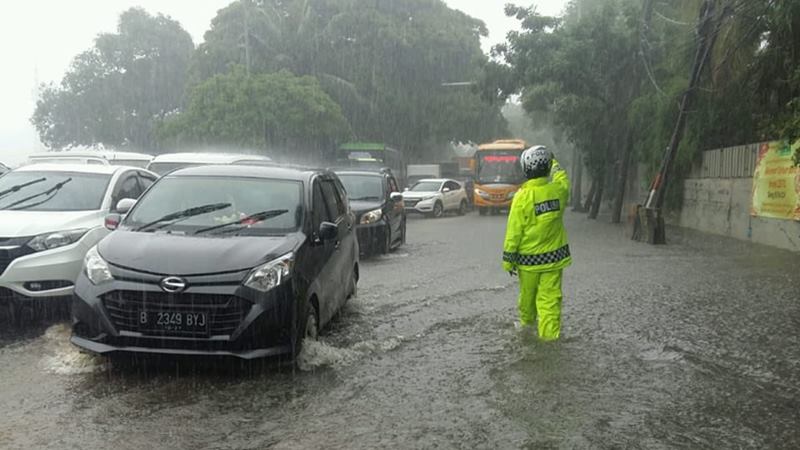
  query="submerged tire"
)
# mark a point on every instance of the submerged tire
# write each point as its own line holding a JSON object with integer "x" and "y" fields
{"x": 307, "y": 327}
{"x": 438, "y": 210}
{"x": 462, "y": 208}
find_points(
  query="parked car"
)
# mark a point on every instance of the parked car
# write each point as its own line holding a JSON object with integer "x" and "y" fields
{"x": 377, "y": 203}
{"x": 435, "y": 197}
{"x": 163, "y": 164}
{"x": 243, "y": 261}
{"x": 102, "y": 157}
{"x": 50, "y": 216}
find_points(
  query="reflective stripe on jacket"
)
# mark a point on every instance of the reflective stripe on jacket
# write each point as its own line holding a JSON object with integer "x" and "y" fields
{"x": 536, "y": 240}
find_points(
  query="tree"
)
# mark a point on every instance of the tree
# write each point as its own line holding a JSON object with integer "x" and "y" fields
{"x": 276, "y": 112}
{"x": 116, "y": 92}
{"x": 581, "y": 69}
{"x": 383, "y": 62}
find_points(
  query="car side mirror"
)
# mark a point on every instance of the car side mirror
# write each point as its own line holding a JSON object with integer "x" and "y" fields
{"x": 125, "y": 205}
{"x": 112, "y": 221}
{"x": 396, "y": 197}
{"x": 446, "y": 190}
{"x": 328, "y": 231}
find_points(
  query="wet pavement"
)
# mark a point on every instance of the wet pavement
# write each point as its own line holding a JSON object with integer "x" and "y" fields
{"x": 692, "y": 345}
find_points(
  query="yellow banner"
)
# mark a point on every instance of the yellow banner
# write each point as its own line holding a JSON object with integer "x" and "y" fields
{"x": 776, "y": 182}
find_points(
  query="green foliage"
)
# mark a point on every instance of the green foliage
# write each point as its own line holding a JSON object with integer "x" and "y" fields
{"x": 384, "y": 62}
{"x": 117, "y": 91}
{"x": 276, "y": 111}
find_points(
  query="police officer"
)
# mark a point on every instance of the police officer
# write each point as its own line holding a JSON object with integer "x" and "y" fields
{"x": 536, "y": 245}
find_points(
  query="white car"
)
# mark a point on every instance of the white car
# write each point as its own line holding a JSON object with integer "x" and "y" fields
{"x": 50, "y": 216}
{"x": 163, "y": 164}
{"x": 436, "y": 196}
{"x": 101, "y": 157}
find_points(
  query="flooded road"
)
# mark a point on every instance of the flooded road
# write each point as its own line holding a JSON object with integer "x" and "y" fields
{"x": 693, "y": 345}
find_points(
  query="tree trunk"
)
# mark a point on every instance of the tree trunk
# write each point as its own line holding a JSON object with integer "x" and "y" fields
{"x": 577, "y": 182}
{"x": 597, "y": 201}
{"x": 590, "y": 197}
{"x": 622, "y": 178}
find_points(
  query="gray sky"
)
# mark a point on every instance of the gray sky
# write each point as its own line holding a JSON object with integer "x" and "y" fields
{"x": 39, "y": 38}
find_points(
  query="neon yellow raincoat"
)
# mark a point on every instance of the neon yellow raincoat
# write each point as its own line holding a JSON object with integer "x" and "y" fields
{"x": 536, "y": 247}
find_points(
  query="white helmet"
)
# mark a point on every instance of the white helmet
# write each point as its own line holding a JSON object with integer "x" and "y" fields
{"x": 536, "y": 162}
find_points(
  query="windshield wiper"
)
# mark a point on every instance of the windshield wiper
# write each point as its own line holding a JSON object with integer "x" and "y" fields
{"x": 20, "y": 186}
{"x": 247, "y": 221}
{"x": 181, "y": 215}
{"x": 50, "y": 193}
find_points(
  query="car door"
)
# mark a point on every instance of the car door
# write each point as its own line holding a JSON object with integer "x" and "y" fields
{"x": 342, "y": 255}
{"x": 449, "y": 196}
{"x": 395, "y": 210}
{"x": 323, "y": 254}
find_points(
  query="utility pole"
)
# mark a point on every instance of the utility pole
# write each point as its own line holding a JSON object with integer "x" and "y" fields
{"x": 653, "y": 222}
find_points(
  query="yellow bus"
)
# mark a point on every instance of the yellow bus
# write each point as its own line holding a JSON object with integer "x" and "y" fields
{"x": 498, "y": 174}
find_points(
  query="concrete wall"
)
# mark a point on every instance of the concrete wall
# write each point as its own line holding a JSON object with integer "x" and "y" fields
{"x": 722, "y": 206}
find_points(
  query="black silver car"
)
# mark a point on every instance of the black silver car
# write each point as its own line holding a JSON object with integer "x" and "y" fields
{"x": 221, "y": 260}
{"x": 377, "y": 203}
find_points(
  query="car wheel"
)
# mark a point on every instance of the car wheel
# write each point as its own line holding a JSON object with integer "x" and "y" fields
{"x": 14, "y": 310}
{"x": 482, "y": 211}
{"x": 307, "y": 327}
{"x": 386, "y": 246}
{"x": 462, "y": 209}
{"x": 438, "y": 210}
{"x": 353, "y": 285}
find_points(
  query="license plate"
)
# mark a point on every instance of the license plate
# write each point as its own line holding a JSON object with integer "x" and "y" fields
{"x": 173, "y": 322}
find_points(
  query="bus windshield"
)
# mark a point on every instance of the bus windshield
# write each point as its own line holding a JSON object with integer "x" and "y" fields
{"x": 500, "y": 167}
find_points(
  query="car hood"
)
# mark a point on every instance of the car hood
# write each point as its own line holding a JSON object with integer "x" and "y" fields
{"x": 417, "y": 195}
{"x": 32, "y": 223}
{"x": 360, "y": 207}
{"x": 172, "y": 254}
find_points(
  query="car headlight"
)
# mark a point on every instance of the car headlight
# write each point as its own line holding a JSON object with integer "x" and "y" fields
{"x": 511, "y": 195}
{"x": 272, "y": 274}
{"x": 371, "y": 217}
{"x": 96, "y": 268}
{"x": 50, "y": 241}
{"x": 428, "y": 198}
{"x": 481, "y": 193}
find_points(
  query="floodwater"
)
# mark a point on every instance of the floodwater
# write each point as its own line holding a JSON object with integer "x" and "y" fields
{"x": 692, "y": 345}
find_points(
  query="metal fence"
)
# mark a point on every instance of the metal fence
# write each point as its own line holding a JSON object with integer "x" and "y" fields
{"x": 730, "y": 162}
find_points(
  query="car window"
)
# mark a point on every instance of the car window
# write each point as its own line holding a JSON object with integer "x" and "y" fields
{"x": 128, "y": 186}
{"x": 319, "y": 208}
{"x": 53, "y": 191}
{"x": 363, "y": 187}
{"x": 453, "y": 185}
{"x": 426, "y": 186}
{"x": 393, "y": 185}
{"x": 335, "y": 204}
{"x": 231, "y": 199}
{"x": 146, "y": 180}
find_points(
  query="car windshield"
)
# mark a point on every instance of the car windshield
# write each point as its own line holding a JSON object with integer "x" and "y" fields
{"x": 500, "y": 168}
{"x": 211, "y": 202}
{"x": 426, "y": 186}
{"x": 363, "y": 187}
{"x": 52, "y": 191}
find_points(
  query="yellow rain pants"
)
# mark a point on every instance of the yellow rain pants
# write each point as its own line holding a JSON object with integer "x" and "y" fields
{"x": 540, "y": 296}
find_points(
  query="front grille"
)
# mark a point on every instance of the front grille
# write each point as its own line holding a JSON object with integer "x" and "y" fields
{"x": 224, "y": 312}
{"x": 11, "y": 249}
{"x": 410, "y": 203}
